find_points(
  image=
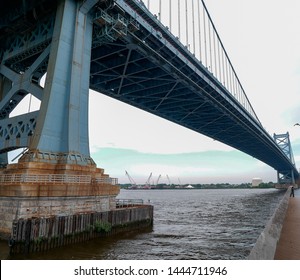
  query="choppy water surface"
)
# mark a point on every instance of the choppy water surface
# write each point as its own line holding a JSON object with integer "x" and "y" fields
{"x": 188, "y": 224}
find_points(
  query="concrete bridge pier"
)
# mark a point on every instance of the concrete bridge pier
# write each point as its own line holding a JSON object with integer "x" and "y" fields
{"x": 56, "y": 176}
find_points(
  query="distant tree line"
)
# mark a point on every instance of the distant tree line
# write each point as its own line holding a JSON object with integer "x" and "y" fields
{"x": 207, "y": 186}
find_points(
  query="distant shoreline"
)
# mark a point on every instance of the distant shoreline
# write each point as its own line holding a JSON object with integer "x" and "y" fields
{"x": 200, "y": 186}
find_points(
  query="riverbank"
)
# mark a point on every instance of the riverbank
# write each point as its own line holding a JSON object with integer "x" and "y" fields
{"x": 280, "y": 238}
{"x": 265, "y": 246}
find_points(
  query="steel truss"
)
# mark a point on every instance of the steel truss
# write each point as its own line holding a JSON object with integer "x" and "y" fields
{"x": 283, "y": 141}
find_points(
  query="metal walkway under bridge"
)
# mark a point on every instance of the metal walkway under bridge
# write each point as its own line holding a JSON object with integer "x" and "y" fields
{"x": 174, "y": 67}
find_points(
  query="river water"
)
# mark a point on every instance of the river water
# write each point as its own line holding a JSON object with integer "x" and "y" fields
{"x": 207, "y": 224}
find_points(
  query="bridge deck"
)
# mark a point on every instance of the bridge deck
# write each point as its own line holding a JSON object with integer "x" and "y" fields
{"x": 288, "y": 247}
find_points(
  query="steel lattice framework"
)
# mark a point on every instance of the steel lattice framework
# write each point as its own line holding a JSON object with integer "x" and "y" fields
{"x": 136, "y": 59}
{"x": 283, "y": 141}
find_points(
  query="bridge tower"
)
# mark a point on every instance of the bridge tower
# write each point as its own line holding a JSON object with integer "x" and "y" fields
{"x": 56, "y": 174}
{"x": 283, "y": 141}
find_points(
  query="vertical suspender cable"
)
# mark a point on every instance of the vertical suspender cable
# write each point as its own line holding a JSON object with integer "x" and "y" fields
{"x": 223, "y": 70}
{"x": 228, "y": 74}
{"x": 193, "y": 17}
{"x": 230, "y": 78}
{"x": 234, "y": 87}
{"x": 186, "y": 24}
{"x": 210, "y": 50}
{"x": 179, "y": 19}
{"x": 228, "y": 60}
{"x": 219, "y": 61}
{"x": 240, "y": 93}
{"x": 233, "y": 83}
{"x": 159, "y": 14}
{"x": 204, "y": 28}
{"x": 170, "y": 15}
{"x": 199, "y": 30}
{"x": 215, "y": 55}
{"x": 148, "y": 4}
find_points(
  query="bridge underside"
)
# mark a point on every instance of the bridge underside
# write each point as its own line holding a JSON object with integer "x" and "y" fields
{"x": 148, "y": 68}
{"x": 133, "y": 59}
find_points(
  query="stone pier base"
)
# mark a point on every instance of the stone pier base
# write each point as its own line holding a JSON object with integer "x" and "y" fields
{"x": 42, "y": 189}
{"x": 13, "y": 208}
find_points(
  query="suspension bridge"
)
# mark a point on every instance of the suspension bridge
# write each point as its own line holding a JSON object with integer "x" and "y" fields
{"x": 165, "y": 57}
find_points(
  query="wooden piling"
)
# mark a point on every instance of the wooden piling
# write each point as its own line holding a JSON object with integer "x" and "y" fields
{"x": 44, "y": 233}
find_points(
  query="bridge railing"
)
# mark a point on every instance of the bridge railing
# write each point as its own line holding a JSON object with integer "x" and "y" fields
{"x": 107, "y": 180}
{"x": 54, "y": 178}
{"x": 120, "y": 203}
{"x": 190, "y": 22}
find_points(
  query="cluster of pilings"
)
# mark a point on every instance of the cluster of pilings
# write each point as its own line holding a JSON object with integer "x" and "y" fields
{"x": 42, "y": 234}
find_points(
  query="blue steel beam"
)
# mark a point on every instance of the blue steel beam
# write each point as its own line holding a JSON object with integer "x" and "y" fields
{"x": 62, "y": 124}
{"x": 16, "y": 132}
{"x": 62, "y": 49}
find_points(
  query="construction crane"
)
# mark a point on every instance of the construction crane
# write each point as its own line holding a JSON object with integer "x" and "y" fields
{"x": 132, "y": 182}
{"x": 179, "y": 182}
{"x": 169, "y": 180}
{"x": 157, "y": 180}
{"x": 147, "y": 184}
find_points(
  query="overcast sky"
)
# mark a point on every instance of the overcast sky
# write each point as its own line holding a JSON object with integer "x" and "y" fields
{"x": 262, "y": 40}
